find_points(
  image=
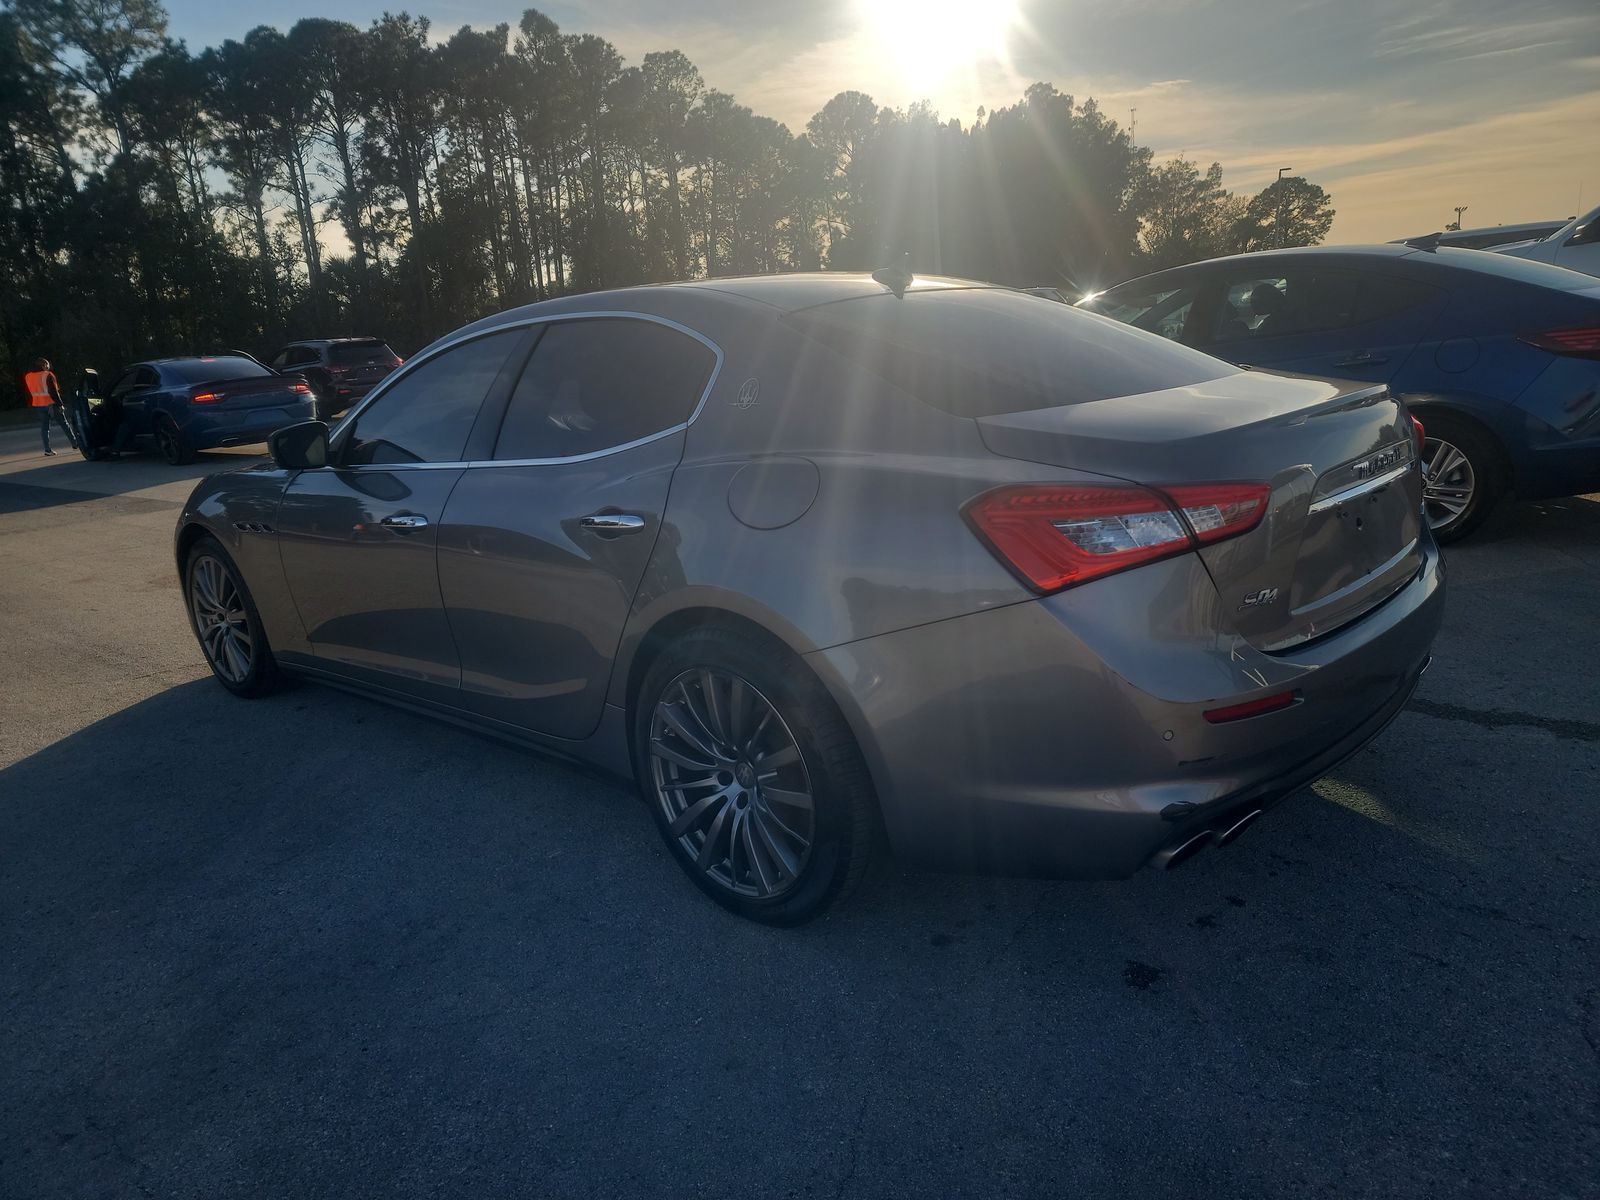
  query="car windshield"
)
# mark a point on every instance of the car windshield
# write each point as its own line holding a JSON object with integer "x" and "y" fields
{"x": 211, "y": 370}
{"x": 345, "y": 354}
{"x": 979, "y": 352}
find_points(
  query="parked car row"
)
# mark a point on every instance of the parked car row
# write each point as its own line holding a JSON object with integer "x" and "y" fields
{"x": 1499, "y": 356}
{"x": 181, "y": 406}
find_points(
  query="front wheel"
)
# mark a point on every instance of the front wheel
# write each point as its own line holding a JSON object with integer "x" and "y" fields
{"x": 753, "y": 777}
{"x": 226, "y": 622}
{"x": 1461, "y": 477}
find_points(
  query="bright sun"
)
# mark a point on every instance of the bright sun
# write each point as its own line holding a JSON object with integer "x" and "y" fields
{"x": 927, "y": 41}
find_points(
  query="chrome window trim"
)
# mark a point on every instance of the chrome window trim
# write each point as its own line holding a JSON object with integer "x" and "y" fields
{"x": 523, "y": 323}
{"x": 1361, "y": 489}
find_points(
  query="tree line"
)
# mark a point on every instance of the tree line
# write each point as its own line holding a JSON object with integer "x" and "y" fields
{"x": 335, "y": 180}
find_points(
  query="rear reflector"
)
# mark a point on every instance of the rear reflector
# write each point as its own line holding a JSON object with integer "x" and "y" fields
{"x": 1055, "y": 536}
{"x": 1419, "y": 433}
{"x": 302, "y": 389}
{"x": 1583, "y": 342}
{"x": 1250, "y": 708}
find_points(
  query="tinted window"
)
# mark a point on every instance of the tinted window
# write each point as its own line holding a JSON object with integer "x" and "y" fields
{"x": 211, "y": 370}
{"x": 1309, "y": 299}
{"x": 428, "y": 413}
{"x": 1164, "y": 310}
{"x": 979, "y": 352}
{"x": 1522, "y": 270}
{"x": 279, "y": 360}
{"x": 594, "y": 384}
{"x": 347, "y": 354}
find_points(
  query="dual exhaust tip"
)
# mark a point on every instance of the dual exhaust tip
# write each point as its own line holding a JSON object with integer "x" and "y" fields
{"x": 1174, "y": 856}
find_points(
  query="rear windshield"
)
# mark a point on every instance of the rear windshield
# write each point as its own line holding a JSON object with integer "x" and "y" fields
{"x": 212, "y": 370}
{"x": 347, "y": 354}
{"x": 1522, "y": 270}
{"x": 981, "y": 352}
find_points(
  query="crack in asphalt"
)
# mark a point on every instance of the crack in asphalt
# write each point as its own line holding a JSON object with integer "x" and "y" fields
{"x": 1565, "y": 728}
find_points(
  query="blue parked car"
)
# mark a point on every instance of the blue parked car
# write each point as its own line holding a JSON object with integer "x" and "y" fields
{"x": 185, "y": 405}
{"x": 1499, "y": 358}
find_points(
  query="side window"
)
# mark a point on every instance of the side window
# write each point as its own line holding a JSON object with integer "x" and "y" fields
{"x": 602, "y": 382}
{"x": 125, "y": 383}
{"x": 428, "y": 413}
{"x": 146, "y": 377}
{"x": 279, "y": 360}
{"x": 1388, "y": 296}
{"x": 1293, "y": 300}
{"x": 1165, "y": 310}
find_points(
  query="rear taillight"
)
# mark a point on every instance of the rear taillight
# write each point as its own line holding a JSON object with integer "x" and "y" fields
{"x": 1583, "y": 342}
{"x": 1055, "y": 536}
{"x": 1418, "y": 434}
{"x": 302, "y": 389}
{"x": 204, "y": 398}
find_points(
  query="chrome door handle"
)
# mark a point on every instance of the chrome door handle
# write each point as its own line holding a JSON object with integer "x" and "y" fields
{"x": 406, "y": 521}
{"x": 604, "y": 522}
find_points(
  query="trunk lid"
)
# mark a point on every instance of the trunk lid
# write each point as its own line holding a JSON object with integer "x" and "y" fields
{"x": 1343, "y": 528}
{"x": 257, "y": 391}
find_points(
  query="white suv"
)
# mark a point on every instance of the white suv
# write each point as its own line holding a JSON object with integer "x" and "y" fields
{"x": 1576, "y": 245}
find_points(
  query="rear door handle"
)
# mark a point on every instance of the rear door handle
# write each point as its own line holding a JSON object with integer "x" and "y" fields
{"x": 606, "y": 522}
{"x": 1364, "y": 359}
{"x": 405, "y": 521}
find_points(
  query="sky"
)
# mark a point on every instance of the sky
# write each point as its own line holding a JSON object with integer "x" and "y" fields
{"x": 1402, "y": 111}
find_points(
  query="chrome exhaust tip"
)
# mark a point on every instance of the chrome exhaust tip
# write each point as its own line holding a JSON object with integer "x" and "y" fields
{"x": 1174, "y": 856}
{"x": 1238, "y": 827}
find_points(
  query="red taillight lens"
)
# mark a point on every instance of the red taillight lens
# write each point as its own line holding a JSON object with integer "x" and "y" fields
{"x": 1583, "y": 342}
{"x": 1420, "y": 434}
{"x": 1220, "y": 510}
{"x": 303, "y": 389}
{"x": 1054, "y": 536}
{"x": 1250, "y": 708}
{"x": 204, "y": 398}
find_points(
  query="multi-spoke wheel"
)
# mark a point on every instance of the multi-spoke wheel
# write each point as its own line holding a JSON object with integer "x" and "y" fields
{"x": 753, "y": 776}
{"x": 226, "y": 623}
{"x": 729, "y": 776}
{"x": 1460, "y": 477}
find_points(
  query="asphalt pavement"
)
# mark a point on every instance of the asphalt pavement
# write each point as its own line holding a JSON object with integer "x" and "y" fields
{"x": 312, "y": 946}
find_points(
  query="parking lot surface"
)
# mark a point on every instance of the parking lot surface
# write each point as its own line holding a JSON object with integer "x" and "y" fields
{"x": 313, "y": 946}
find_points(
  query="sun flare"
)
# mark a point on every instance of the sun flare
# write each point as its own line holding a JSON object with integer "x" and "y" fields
{"x": 925, "y": 42}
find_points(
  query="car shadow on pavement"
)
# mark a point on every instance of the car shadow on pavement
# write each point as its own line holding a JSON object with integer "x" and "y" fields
{"x": 312, "y": 943}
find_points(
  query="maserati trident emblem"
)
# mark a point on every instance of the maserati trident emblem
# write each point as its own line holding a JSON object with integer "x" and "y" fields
{"x": 1257, "y": 599}
{"x": 748, "y": 391}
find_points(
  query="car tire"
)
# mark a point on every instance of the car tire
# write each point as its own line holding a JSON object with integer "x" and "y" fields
{"x": 770, "y": 738}
{"x": 1473, "y": 480}
{"x": 226, "y": 622}
{"x": 172, "y": 446}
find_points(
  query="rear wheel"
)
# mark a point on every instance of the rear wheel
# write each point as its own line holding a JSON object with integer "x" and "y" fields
{"x": 172, "y": 446}
{"x": 753, "y": 777}
{"x": 1462, "y": 477}
{"x": 226, "y": 622}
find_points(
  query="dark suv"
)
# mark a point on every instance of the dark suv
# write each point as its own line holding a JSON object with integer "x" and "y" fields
{"x": 339, "y": 370}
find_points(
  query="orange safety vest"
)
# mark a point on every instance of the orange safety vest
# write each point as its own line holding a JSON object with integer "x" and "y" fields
{"x": 38, "y": 385}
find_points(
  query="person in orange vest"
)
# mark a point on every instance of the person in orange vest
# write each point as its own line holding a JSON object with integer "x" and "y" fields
{"x": 44, "y": 394}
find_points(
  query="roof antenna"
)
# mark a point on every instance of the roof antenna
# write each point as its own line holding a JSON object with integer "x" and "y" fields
{"x": 897, "y": 278}
{"x": 1428, "y": 241}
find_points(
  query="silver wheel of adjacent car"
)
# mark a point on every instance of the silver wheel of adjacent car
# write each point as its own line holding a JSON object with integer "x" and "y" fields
{"x": 220, "y": 619}
{"x": 730, "y": 779}
{"x": 1448, "y": 482}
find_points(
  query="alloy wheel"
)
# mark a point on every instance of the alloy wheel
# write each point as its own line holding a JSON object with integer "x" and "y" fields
{"x": 220, "y": 619}
{"x": 729, "y": 777}
{"x": 1448, "y": 482}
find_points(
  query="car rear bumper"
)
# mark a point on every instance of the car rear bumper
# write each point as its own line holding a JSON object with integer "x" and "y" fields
{"x": 246, "y": 426}
{"x": 1066, "y": 736}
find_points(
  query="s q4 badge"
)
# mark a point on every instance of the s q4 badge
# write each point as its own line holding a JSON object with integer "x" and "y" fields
{"x": 748, "y": 391}
{"x": 1256, "y": 599}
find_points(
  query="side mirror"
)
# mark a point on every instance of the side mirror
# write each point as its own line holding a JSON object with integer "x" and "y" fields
{"x": 301, "y": 447}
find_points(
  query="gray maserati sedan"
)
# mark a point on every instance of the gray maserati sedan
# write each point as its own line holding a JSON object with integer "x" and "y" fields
{"x": 823, "y": 559}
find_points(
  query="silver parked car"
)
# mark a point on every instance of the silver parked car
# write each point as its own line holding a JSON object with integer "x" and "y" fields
{"x": 811, "y": 556}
